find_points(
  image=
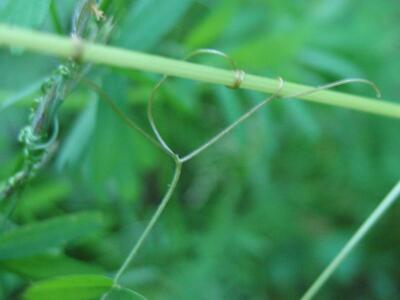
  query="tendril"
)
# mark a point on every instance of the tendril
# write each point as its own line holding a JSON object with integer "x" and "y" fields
{"x": 336, "y": 84}
{"x": 180, "y": 161}
{"x": 108, "y": 100}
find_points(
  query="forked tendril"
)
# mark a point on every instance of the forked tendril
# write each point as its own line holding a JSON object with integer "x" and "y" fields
{"x": 239, "y": 75}
{"x": 160, "y": 141}
{"x": 236, "y": 123}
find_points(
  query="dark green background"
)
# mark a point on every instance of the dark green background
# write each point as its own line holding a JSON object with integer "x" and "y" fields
{"x": 260, "y": 214}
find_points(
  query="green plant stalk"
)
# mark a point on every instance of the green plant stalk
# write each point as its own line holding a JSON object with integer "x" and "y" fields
{"x": 51, "y": 44}
{"x": 353, "y": 242}
{"x": 153, "y": 221}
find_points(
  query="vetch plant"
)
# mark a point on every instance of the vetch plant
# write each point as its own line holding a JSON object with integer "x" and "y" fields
{"x": 39, "y": 137}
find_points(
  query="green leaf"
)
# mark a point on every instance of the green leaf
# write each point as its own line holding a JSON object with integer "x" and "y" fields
{"x": 77, "y": 287}
{"x": 77, "y": 140}
{"x": 324, "y": 61}
{"x": 124, "y": 294}
{"x": 20, "y": 95}
{"x": 40, "y": 237}
{"x": 42, "y": 198}
{"x": 213, "y": 25}
{"x": 150, "y": 20}
{"x": 47, "y": 266}
{"x": 30, "y": 13}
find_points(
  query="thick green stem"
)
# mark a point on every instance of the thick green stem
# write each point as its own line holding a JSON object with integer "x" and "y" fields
{"x": 65, "y": 47}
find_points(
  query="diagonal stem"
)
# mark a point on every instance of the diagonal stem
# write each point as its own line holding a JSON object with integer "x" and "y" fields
{"x": 153, "y": 220}
{"x": 108, "y": 100}
{"x": 228, "y": 129}
{"x": 353, "y": 242}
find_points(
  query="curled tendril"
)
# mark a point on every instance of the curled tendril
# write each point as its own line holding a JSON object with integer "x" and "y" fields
{"x": 114, "y": 107}
{"x": 43, "y": 116}
{"x": 238, "y": 73}
{"x": 336, "y": 84}
{"x": 33, "y": 142}
{"x": 239, "y": 76}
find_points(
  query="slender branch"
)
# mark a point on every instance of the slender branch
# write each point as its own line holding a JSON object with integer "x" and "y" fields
{"x": 353, "y": 242}
{"x": 154, "y": 219}
{"x": 108, "y": 100}
{"x": 228, "y": 129}
{"x": 65, "y": 47}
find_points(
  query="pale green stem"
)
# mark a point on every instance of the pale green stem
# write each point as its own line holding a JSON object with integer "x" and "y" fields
{"x": 353, "y": 242}
{"x": 228, "y": 129}
{"x": 130, "y": 123}
{"x": 154, "y": 219}
{"x": 65, "y": 47}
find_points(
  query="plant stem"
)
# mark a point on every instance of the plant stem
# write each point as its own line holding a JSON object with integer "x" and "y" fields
{"x": 353, "y": 242}
{"x": 65, "y": 47}
{"x": 229, "y": 128}
{"x": 154, "y": 219}
{"x": 108, "y": 100}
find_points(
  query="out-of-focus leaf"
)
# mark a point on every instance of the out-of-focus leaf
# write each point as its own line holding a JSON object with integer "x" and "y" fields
{"x": 231, "y": 110}
{"x": 40, "y": 237}
{"x": 323, "y": 61}
{"x": 302, "y": 119}
{"x": 20, "y": 95}
{"x": 150, "y": 20}
{"x": 47, "y": 266}
{"x": 79, "y": 287}
{"x": 30, "y": 13}
{"x": 269, "y": 50}
{"x": 124, "y": 294}
{"x": 42, "y": 198}
{"x": 79, "y": 137}
{"x": 213, "y": 25}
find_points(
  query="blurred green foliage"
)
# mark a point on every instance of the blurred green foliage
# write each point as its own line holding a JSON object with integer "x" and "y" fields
{"x": 259, "y": 215}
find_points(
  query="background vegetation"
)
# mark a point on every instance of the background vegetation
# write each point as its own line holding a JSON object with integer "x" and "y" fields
{"x": 259, "y": 215}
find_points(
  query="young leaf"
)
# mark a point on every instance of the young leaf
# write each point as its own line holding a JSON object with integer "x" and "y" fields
{"x": 24, "y": 13}
{"x": 48, "y": 265}
{"x": 42, "y": 198}
{"x": 25, "y": 92}
{"x": 38, "y": 238}
{"x": 149, "y": 21}
{"x": 77, "y": 287}
{"x": 78, "y": 138}
{"x": 213, "y": 25}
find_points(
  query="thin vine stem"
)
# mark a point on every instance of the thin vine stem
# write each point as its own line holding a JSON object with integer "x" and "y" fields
{"x": 47, "y": 43}
{"x": 128, "y": 121}
{"x": 228, "y": 129}
{"x": 180, "y": 161}
{"x": 153, "y": 221}
{"x": 336, "y": 84}
{"x": 386, "y": 203}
